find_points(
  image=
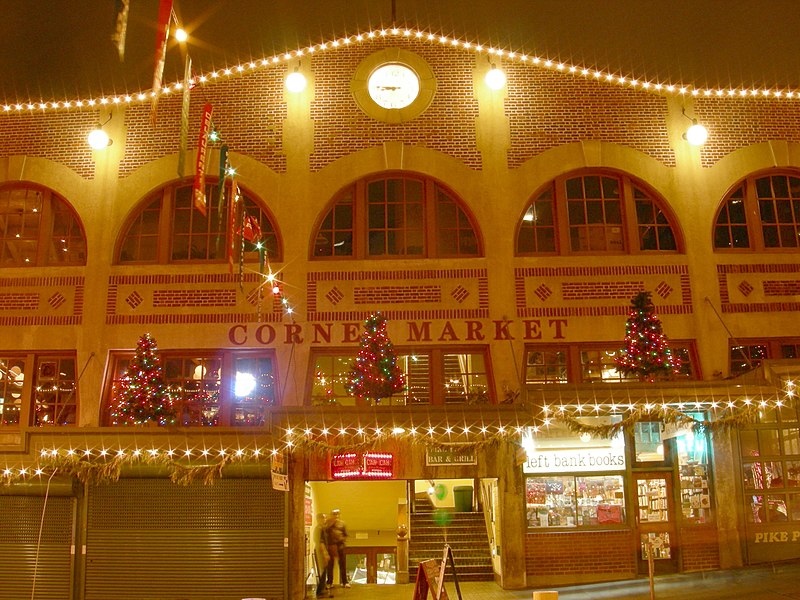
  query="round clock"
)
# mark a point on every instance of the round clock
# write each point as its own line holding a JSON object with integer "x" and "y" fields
{"x": 393, "y": 86}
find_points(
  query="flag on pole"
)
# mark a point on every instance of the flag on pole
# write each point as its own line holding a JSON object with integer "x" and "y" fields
{"x": 184, "y": 143}
{"x": 162, "y": 35}
{"x": 251, "y": 230}
{"x": 199, "y": 188}
{"x": 121, "y": 27}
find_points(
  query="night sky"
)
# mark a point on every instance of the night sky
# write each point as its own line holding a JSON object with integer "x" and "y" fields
{"x": 61, "y": 49}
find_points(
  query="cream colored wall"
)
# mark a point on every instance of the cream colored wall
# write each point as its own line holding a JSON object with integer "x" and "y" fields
{"x": 448, "y": 501}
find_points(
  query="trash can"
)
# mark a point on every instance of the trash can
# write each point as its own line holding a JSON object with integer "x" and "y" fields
{"x": 462, "y": 498}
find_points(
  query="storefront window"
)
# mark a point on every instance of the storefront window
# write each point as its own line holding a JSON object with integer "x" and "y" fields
{"x": 770, "y": 452}
{"x": 694, "y": 476}
{"x": 574, "y": 481}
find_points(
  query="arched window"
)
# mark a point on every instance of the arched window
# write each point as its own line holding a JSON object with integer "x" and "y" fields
{"x": 396, "y": 216}
{"x": 168, "y": 229}
{"x": 760, "y": 213}
{"x": 38, "y": 228}
{"x": 596, "y": 212}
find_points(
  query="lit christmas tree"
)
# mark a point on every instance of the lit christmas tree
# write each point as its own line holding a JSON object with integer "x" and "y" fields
{"x": 646, "y": 353}
{"x": 375, "y": 373}
{"x": 141, "y": 396}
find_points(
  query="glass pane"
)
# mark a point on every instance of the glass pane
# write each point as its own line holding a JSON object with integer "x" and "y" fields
{"x": 601, "y": 500}
{"x": 330, "y": 379}
{"x": 356, "y": 568}
{"x": 12, "y": 379}
{"x": 550, "y": 501}
{"x": 655, "y": 544}
{"x": 652, "y": 500}
{"x": 387, "y": 568}
{"x": 546, "y": 366}
{"x": 647, "y": 439}
{"x": 465, "y": 378}
{"x": 55, "y": 398}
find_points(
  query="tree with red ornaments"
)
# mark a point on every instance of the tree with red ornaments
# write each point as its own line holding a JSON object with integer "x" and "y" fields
{"x": 375, "y": 373}
{"x": 646, "y": 353}
{"x": 141, "y": 395}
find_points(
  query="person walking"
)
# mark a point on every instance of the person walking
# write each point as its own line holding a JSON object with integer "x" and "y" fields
{"x": 336, "y": 533}
{"x": 322, "y": 557}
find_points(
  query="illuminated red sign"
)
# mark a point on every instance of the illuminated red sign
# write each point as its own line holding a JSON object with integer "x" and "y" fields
{"x": 362, "y": 465}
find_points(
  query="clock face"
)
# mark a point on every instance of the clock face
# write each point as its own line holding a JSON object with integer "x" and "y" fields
{"x": 393, "y": 86}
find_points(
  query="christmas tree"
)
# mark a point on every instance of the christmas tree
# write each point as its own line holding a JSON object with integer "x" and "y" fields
{"x": 646, "y": 353}
{"x": 141, "y": 396}
{"x": 375, "y": 373}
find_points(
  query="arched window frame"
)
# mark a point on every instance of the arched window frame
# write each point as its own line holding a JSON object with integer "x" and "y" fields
{"x": 554, "y": 194}
{"x": 58, "y": 241}
{"x": 345, "y": 221}
{"x": 162, "y": 202}
{"x": 743, "y": 229}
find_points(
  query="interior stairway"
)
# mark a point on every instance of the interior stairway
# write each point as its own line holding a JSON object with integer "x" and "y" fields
{"x": 465, "y": 533}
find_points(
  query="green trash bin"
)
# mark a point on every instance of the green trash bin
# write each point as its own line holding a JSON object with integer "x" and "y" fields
{"x": 462, "y": 498}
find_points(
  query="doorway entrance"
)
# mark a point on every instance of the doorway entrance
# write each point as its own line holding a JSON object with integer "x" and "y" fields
{"x": 371, "y": 512}
{"x": 655, "y": 523}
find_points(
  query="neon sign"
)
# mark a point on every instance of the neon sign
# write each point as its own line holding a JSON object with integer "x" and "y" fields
{"x": 362, "y": 465}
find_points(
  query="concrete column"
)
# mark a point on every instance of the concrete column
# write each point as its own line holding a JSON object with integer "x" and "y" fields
{"x": 512, "y": 518}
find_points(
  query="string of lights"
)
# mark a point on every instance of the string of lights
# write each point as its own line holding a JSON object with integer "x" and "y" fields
{"x": 566, "y": 68}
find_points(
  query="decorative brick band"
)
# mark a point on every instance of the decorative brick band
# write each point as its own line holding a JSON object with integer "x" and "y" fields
{"x": 602, "y": 290}
{"x": 60, "y": 295}
{"x": 193, "y": 319}
{"x": 760, "y": 268}
{"x": 781, "y": 288}
{"x": 199, "y": 298}
{"x": 535, "y": 286}
{"x": 394, "y": 294}
{"x": 326, "y": 290}
{"x": 739, "y": 307}
{"x": 19, "y": 301}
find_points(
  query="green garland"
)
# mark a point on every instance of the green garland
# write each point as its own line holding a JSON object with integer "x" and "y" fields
{"x": 664, "y": 413}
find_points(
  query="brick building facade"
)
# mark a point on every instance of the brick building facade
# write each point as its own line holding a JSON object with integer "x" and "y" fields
{"x": 502, "y": 233}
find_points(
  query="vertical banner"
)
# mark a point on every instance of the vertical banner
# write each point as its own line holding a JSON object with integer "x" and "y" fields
{"x": 121, "y": 27}
{"x": 232, "y": 224}
{"x": 184, "y": 143}
{"x": 199, "y": 188}
{"x": 280, "y": 478}
{"x": 162, "y": 35}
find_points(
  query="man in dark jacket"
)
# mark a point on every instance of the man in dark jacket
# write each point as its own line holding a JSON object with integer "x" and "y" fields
{"x": 336, "y": 534}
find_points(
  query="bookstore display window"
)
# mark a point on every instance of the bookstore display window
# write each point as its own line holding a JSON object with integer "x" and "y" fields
{"x": 49, "y": 381}
{"x": 770, "y": 454}
{"x": 693, "y": 470}
{"x": 433, "y": 376}
{"x": 210, "y": 389}
{"x": 591, "y": 495}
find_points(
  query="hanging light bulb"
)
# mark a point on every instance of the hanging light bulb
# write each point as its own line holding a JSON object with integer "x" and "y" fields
{"x": 495, "y": 78}
{"x": 696, "y": 135}
{"x": 181, "y": 35}
{"x": 98, "y": 139}
{"x": 296, "y": 81}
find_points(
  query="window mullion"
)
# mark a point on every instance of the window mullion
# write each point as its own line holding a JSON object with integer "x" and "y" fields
{"x": 164, "y": 244}
{"x": 45, "y": 229}
{"x": 562, "y": 216}
{"x": 753, "y": 215}
{"x": 630, "y": 220}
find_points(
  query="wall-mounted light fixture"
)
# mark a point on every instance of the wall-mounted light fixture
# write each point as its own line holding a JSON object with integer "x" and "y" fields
{"x": 495, "y": 78}
{"x": 696, "y": 135}
{"x": 97, "y": 138}
{"x": 296, "y": 81}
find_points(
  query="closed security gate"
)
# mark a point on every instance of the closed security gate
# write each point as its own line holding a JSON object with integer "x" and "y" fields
{"x": 33, "y": 564}
{"x": 155, "y": 540}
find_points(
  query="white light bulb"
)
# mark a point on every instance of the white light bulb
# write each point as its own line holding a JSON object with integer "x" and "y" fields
{"x": 181, "y": 35}
{"x": 98, "y": 139}
{"x": 495, "y": 78}
{"x": 696, "y": 135}
{"x": 245, "y": 384}
{"x": 296, "y": 82}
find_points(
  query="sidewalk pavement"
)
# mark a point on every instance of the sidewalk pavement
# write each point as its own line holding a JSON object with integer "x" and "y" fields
{"x": 776, "y": 581}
